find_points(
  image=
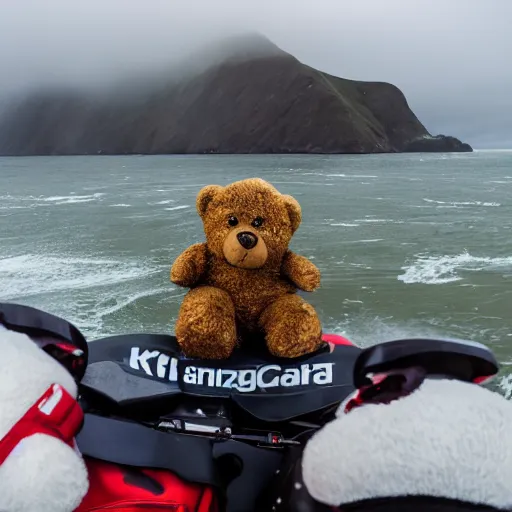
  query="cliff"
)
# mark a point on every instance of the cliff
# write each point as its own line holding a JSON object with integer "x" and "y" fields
{"x": 257, "y": 99}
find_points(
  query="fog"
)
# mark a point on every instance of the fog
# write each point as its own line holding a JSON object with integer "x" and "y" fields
{"x": 451, "y": 58}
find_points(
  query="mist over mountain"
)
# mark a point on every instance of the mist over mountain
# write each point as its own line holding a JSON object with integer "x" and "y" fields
{"x": 449, "y": 58}
{"x": 241, "y": 94}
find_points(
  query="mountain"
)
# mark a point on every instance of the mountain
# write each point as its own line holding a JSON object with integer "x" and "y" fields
{"x": 244, "y": 95}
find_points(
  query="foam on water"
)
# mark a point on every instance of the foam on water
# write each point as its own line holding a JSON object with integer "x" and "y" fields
{"x": 90, "y": 314}
{"x": 182, "y": 207}
{"x": 366, "y": 329}
{"x": 85, "y": 291}
{"x": 379, "y": 221}
{"x": 165, "y": 201}
{"x": 444, "y": 269}
{"x": 34, "y": 274}
{"x": 38, "y": 201}
{"x": 73, "y": 199}
{"x": 351, "y": 176}
{"x": 461, "y": 203}
{"x": 504, "y": 385}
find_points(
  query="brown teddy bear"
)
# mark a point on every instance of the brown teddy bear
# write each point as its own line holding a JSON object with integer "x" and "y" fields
{"x": 244, "y": 278}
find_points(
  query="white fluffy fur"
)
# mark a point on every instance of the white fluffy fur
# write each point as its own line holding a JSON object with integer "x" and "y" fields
{"x": 448, "y": 439}
{"x": 42, "y": 474}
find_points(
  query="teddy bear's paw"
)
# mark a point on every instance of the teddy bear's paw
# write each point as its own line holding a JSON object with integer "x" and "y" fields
{"x": 189, "y": 266}
{"x": 310, "y": 280}
{"x": 206, "y": 324}
{"x": 183, "y": 273}
{"x": 291, "y": 327}
{"x": 302, "y": 272}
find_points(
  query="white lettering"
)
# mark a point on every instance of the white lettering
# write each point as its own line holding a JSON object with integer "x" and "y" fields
{"x": 324, "y": 376}
{"x": 272, "y": 383}
{"x": 291, "y": 377}
{"x": 304, "y": 372}
{"x": 247, "y": 380}
{"x": 190, "y": 376}
{"x": 244, "y": 380}
{"x": 173, "y": 372}
{"x": 218, "y": 379}
{"x": 136, "y": 359}
{"x": 211, "y": 377}
{"x": 232, "y": 375}
{"x": 161, "y": 365}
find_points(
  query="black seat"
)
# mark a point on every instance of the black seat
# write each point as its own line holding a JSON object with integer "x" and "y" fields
{"x": 148, "y": 371}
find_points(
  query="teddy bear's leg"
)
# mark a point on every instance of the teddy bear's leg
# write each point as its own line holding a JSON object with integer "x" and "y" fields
{"x": 291, "y": 327}
{"x": 206, "y": 323}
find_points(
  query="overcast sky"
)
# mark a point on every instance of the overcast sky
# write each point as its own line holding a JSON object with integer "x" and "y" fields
{"x": 451, "y": 58}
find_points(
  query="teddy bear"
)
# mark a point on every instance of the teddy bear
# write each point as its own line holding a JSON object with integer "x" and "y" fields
{"x": 243, "y": 280}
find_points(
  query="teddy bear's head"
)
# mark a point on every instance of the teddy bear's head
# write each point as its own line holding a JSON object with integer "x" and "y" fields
{"x": 248, "y": 223}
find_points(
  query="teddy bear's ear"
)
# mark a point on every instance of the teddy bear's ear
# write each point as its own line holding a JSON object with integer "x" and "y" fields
{"x": 294, "y": 211}
{"x": 206, "y": 194}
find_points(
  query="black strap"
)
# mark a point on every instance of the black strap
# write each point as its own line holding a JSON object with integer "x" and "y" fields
{"x": 34, "y": 322}
{"x": 131, "y": 444}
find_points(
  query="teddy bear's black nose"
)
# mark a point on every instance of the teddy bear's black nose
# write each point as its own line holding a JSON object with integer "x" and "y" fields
{"x": 247, "y": 239}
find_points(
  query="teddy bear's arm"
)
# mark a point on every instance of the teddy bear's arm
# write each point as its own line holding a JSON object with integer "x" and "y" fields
{"x": 298, "y": 269}
{"x": 189, "y": 266}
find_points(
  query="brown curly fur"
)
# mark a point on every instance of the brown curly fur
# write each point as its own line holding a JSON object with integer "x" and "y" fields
{"x": 254, "y": 288}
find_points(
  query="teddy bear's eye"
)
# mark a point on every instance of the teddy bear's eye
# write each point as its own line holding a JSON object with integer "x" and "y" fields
{"x": 232, "y": 221}
{"x": 257, "y": 222}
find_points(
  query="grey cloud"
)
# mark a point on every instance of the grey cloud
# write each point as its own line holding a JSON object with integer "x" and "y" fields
{"x": 450, "y": 57}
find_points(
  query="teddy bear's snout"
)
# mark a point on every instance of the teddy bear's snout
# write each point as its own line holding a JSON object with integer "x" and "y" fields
{"x": 247, "y": 239}
{"x": 244, "y": 249}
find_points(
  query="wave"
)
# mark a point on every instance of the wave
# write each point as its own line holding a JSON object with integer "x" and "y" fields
{"x": 462, "y": 203}
{"x": 73, "y": 198}
{"x": 92, "y": 320}
{"x": 444, "y": 269}
{"x": 504, "y": 383}
{"x": 380, "y": 221}
{"x": 368, "y": 241}
{"x": 36, "y": 201}
{"x": 183, "y": 206}
{"x": 165, "y": 201}
{"x": 30, "y": 274}
{"x": 351, "y": 176}
{"x": 366, "y": 329}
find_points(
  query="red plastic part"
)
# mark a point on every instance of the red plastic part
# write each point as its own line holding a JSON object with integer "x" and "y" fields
{"x": 116, "y": 488}
{"x": 336, "y": 339}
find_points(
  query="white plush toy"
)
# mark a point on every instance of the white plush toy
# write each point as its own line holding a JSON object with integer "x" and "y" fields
{"x": 42, "y": 473}
{"x": 448, "y": 439}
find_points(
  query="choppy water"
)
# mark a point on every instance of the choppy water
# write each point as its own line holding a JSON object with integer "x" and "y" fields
{"x": 407, "y": 244}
